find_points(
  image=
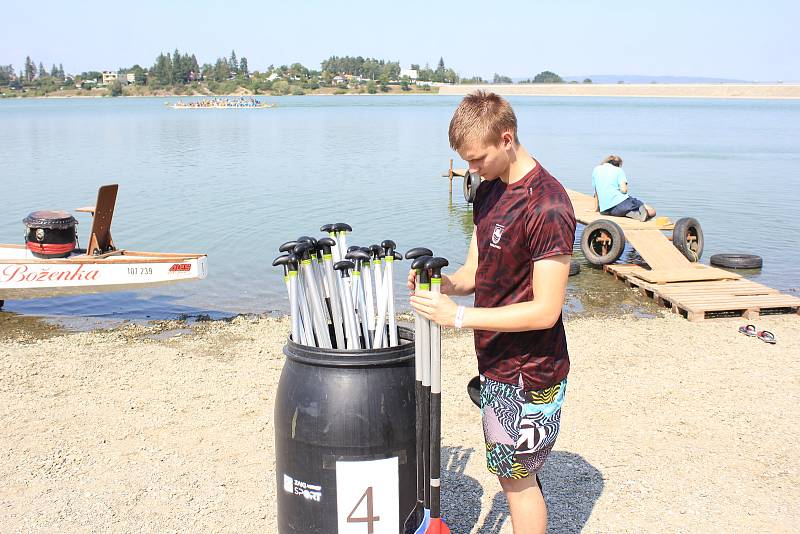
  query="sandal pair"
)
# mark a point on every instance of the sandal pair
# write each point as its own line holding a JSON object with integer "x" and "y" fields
{"x": 764, "y": 335}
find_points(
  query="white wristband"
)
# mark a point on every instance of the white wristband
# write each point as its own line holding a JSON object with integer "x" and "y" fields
{"x": 459, "y": 322}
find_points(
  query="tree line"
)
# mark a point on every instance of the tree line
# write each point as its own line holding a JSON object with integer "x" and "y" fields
{"x": 181, "y": 69}
{"x": 30, "y": 72}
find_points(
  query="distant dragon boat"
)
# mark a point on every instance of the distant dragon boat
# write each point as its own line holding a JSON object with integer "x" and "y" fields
{"x": 49, "y": 264}
{"x": 221, "y": 103}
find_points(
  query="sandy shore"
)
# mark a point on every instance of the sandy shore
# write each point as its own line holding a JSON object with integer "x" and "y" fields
{"x": 766, "y": 91}
{"x": 668, "y": 426}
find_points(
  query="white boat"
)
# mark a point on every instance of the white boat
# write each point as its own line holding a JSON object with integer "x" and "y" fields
{"x": 25, "y": 274}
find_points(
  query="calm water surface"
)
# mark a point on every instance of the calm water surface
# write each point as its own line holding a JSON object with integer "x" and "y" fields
{"x": 237, "y": 183}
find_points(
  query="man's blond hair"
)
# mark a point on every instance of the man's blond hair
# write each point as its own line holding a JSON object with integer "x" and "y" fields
{"x": 482, "y": 117}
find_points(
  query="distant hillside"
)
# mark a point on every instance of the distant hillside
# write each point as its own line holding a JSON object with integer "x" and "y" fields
{"x": 615, "y": 78}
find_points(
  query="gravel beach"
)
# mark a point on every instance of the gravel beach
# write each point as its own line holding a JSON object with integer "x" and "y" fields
{"x": 668, "y": 426}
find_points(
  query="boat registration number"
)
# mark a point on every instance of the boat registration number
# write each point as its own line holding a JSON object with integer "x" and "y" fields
{"x": 141, "y": 271}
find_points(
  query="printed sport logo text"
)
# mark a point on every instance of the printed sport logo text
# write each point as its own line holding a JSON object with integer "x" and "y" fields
{"x": 496, "y": 235}
{"x": 310, "y": 492}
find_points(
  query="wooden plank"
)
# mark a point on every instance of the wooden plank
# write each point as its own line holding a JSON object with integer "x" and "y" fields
{"x": 583, "y": 205}
{"x": 734, "y": 305}
{"x": 729, "y": 306}
{"x": 695, "y": 317}
{"x": 774, "y": 297}
{"x": 683, "y": 275}
{"x": 723, "y": 285}
{"x": 711, "y": 294}
{"x": 656, "y": 250}
{"x": 718, "y": 291}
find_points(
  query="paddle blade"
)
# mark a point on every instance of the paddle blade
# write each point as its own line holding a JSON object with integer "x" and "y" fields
{"x": 414, "y": 519}
{"x": 423, "y": 527}
{"x": 438, "y": 526}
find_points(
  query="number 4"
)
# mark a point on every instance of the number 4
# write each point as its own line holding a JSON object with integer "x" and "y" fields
{"x": 369, "y": 519}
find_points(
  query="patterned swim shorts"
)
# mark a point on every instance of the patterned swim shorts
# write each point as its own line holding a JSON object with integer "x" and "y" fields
{"x": 520, "y": 427}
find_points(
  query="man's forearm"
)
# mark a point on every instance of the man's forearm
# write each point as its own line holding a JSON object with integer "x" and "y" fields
{"x": 519, "y": 317}
{"x": 460, "y": 283}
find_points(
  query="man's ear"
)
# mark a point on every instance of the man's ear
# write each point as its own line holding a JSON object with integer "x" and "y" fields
{"x": 508, "y": 139}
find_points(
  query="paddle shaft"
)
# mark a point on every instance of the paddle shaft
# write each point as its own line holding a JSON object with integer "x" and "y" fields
{"x": 436, "y": 405}
{"x": 425, "y": 355}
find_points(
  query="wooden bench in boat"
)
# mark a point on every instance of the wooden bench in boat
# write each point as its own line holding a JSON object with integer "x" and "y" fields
{"x": 100, "y": 242}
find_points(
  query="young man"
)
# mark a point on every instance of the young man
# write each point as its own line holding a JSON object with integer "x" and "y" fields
{"x": 611, "y": 192}
{"x": 517, "y": 266}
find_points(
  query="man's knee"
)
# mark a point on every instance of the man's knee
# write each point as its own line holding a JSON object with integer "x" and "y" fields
{"x": 517, "y": 485}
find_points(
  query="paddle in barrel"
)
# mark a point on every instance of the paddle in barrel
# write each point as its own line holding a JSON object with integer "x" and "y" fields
{"x": 389, "y": 247}
{"x": 328, "y": 248}
{"x": 437, "y": 524}
{"x": 420, "y": 515}
{"x": 320, "y": 325}
{"x": 348, "y": 310}
{"x": 286, "y": 260}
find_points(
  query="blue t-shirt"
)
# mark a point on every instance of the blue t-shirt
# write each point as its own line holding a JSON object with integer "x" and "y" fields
{"x": 606, "y": 180}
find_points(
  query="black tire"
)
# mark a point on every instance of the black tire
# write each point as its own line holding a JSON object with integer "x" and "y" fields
{"x": 474, "y": 390}
{"x": 574, "y": 268}
{"x": 602, "y": 242}
{"x": 687, "y": 236}
{"x": 471, "y": 183}
{"x": 737, "y": 261}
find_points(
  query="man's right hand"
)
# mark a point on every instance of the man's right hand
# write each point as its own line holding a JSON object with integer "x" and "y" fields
{"x": 411, "y": 282}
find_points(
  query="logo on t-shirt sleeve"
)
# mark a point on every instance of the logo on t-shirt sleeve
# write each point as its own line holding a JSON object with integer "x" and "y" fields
{"x": 496, "y": 235}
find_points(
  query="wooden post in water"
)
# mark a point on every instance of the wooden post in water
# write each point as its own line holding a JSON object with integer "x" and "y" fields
{"x": 450, "y": 175}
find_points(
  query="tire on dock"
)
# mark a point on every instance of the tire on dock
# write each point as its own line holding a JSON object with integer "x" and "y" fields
{"x": 471, "y": 183}
{"x": 574, "y": 267}
{"x": 602, "y": 242}
{"x": 687, "y": 236}
{"x": 737, "y": 261}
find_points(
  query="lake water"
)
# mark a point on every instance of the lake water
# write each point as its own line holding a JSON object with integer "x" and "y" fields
{"x": 237, "y": 183}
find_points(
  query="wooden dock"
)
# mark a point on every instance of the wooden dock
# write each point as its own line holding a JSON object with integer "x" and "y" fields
{"x": 693, "y": 290}
{"x": 699, "y": 300}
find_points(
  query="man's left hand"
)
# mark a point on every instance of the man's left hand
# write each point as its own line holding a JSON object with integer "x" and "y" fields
{"x": 435, "y": 307}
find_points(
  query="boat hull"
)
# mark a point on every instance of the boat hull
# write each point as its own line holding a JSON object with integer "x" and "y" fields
{"x": 27, "y": 278}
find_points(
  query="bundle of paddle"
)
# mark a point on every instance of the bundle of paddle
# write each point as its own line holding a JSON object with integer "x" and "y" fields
{"x": 426, "y": 516}
{"x": 340, "y": 297}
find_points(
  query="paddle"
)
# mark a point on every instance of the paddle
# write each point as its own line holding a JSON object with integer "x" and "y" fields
{"x": 437, "y": 524}
{"x": 288, "y": 260}
{"x": 389, "y": 247}
{"x": 328, "y": 247}
{"x": 425, "y": 359}
{"x": 419, "y": 516}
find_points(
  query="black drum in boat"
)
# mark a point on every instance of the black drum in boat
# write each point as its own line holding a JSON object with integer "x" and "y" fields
{"x": 50, "y": 234}
{"x": 345, "y": 456}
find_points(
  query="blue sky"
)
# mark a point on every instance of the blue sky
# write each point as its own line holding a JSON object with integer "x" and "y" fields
{"x": 742, "y": 40}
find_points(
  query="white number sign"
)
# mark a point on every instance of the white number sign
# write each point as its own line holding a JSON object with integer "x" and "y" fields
{"x": 367, "y": 497}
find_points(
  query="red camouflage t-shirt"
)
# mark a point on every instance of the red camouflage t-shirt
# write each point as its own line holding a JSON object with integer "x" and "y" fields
{"x": 517, "y": 225}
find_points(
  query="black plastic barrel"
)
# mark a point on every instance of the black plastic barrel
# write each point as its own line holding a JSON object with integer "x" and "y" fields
{"x": 345, "y": 439}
